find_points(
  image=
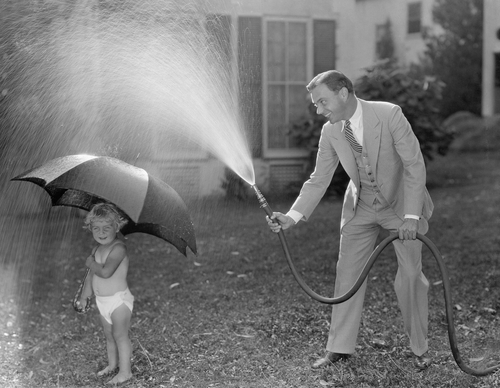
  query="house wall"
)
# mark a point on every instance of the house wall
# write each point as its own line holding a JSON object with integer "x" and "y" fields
{"x": 302, "y": 8}
{"x": 356, "y": 22}
{"x": 491, "y": 49}
{"x": 191, "y": 178}
{"x": 355, "y": 49}
{"x": 203, "y": 175}
{"x": 356, "y": 32}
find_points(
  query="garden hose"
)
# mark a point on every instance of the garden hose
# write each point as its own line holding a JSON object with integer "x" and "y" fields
{"x": 364, "y": 273}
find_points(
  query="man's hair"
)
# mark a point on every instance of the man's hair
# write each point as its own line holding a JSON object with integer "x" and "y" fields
{"x": 105, "y": 211}
{"x": 333, "y": 79}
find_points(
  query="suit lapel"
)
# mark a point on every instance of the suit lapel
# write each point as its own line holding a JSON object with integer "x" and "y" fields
{"x": 343, "y": 149}
{"x": 372, "y": 128}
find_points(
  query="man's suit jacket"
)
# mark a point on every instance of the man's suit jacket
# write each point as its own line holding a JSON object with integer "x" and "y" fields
{"x": 394, "y": 154}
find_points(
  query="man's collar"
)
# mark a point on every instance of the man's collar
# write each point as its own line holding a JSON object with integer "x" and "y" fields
{"x": 356, "y": 117}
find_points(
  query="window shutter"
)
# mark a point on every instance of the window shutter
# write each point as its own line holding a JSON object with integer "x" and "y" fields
{"x": 219, "y": 32}
{"x": 324, "y": 45}
{"x": 250, "y": 76}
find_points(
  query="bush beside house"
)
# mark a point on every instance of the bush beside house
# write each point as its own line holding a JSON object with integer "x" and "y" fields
{"x": 418, "y": 96}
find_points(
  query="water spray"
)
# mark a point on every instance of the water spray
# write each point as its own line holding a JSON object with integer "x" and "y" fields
{"x": 364, "y": 273}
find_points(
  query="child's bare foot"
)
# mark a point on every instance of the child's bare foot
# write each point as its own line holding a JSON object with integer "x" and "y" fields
{"x": 106, "y": 371}
{"x": 120, "y": 378}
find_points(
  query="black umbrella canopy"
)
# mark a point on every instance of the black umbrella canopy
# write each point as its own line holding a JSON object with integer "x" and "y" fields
{"x": 152, "y": 206}
{"x": 164, "y": 218}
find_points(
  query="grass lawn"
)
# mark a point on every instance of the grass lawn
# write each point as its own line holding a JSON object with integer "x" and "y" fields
{"x": 233, "y": 316}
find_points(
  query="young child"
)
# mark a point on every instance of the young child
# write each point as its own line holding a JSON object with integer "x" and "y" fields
{"x": 107, "y": 279}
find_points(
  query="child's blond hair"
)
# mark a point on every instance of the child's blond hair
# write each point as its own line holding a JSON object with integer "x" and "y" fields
{"x": 105, "y": 211}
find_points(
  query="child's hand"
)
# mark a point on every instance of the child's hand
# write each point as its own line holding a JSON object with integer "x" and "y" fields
{"x": 89, "y": 261}
{"x": 78, "y": 306}
{"x": 82, "y": 305}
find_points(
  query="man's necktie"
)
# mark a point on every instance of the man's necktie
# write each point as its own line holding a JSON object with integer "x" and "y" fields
{"x": 350, "y": 137}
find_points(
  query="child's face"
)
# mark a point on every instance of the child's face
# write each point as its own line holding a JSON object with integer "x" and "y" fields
{"x": 104, "y": 231}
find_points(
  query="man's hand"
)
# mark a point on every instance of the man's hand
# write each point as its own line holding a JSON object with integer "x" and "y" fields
{"x": 284, "y": 222}
{"x": 408, "y": 230}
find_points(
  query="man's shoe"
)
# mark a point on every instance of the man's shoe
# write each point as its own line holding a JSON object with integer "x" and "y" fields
{"x": 330, "y": 358}
{"x": 423, "y": 362}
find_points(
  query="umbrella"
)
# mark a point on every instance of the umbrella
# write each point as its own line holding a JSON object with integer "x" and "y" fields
{"x": 152, "y": 206}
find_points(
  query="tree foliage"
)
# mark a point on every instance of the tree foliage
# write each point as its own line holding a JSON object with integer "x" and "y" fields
{"x": 455, "y": 54}
{"x": 305, "y": 133}
{"x": 419, "y": 97}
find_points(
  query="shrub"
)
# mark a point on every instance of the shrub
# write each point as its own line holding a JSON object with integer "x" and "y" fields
{"x": 306, "y": 132}
{"x": 235, "y": 187}
{"x": 419, "y": 97}
{"x": 454, "y": 53}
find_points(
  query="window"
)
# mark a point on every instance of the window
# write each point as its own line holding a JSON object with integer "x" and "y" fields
{"x": 286, "y": 75}
{"x": 414, "y": 17}
{"x": 275, "y": 59}
{"x": 496, "y": 95}
{"x": 384, "y": 45}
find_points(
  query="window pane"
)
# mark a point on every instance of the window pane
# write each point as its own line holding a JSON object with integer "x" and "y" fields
{"x": 297, "y": 51}
{"x": 414, "y": 10}
{"x": 287, "y": 76}
{"x": 299, "y": 100}
{"x": 276, "y": 117}
{"x": 414, "y": 17}
{"x": 276, "y": 51}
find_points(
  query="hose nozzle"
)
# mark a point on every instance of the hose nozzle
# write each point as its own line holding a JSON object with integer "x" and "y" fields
{"x": 262, "y": 201}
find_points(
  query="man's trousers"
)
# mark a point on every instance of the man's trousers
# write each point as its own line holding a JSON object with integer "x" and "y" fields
{"x": 357, "y": 242}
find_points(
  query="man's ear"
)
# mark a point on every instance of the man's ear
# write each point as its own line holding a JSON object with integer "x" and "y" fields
{"x": 344, "y": 93}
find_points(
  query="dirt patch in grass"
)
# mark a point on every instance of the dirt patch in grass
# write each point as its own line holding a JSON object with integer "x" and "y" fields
{"x": 233, "y": 316}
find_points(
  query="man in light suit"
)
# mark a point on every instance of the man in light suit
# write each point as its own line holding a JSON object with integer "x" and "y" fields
{"x": 381, "y": 154}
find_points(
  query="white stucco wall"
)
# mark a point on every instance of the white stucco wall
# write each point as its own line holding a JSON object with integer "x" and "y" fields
{"x": 491, "y": 45}
{"x": 299, "y": 8}
{"x": 356, "y": 32}
{"x": 356, "y": 22}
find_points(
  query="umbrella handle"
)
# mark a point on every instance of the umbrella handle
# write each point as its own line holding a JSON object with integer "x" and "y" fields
{"x": 76, "y": 300}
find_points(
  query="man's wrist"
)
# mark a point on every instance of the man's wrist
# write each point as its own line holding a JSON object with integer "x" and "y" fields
{"x": 411, "y": 217}
{"x": 294, "y": 215}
